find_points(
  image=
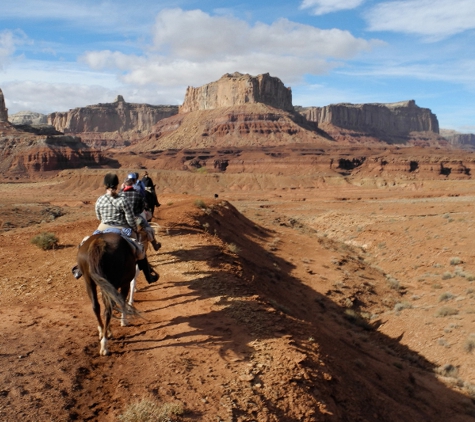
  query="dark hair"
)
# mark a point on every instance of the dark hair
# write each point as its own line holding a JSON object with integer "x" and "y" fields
{"x": 111, "y": 180}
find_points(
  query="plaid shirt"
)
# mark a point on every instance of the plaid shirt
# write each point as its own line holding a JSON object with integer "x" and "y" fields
{"x": 135, "y": 198}
{"x": 115, "y": 211}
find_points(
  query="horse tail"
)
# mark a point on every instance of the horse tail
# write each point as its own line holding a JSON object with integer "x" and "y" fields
{"x": 110, "y": 295}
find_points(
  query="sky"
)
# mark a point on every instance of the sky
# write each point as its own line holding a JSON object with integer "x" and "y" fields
{"x": 57, "y": 55}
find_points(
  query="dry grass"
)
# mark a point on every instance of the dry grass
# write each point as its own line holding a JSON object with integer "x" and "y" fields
{"x": 446, "y": 311}
{"x": 150, "y": 410}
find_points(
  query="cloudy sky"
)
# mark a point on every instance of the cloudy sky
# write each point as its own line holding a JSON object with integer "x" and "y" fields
{"x": 60, "y": 54}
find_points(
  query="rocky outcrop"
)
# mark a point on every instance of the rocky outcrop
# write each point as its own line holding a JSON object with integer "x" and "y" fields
{"x": 28, "y": 118}
{"x": 400, "y": 118}
{"x": 3, "y": 109}
{"x": 238, "y": 89}
{"x": 119, "y": 122}
{"x": 253, "y": 124}
{"x": 29, "y": 154}
{"x": 459, "y": 140}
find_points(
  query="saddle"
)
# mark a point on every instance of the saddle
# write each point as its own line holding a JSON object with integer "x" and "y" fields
{"x": 136, "y": 246}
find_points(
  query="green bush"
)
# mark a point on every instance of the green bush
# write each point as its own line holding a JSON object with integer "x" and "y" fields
{"x": 45, "y": 241}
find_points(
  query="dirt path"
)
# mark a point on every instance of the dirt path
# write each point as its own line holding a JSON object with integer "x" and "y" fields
{"x": 248, "y": 321}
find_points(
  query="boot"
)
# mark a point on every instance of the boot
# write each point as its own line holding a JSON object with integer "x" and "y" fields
{"x": 76, "y": 272}
{"x": 144, "y": 266}
{"x": 156, "y": 245}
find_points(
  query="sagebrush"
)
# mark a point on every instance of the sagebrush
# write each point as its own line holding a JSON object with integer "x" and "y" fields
{"x": 45, "y": 241}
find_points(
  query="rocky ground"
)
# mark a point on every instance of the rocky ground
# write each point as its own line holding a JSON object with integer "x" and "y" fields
{"x": 347, "y": 301}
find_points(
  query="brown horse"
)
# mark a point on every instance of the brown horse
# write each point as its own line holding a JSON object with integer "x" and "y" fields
{"x": 106, "y": 260}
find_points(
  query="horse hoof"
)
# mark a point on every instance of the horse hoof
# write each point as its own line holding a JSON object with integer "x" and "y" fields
{"x": 104, "y": 352}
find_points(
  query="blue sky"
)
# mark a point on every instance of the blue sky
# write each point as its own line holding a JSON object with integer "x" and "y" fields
{"x": 60, "y": 54}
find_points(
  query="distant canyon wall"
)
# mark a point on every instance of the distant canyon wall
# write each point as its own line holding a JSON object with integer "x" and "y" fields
{"x": 28, "y": 118}
{"x": 394, "y": 118}
{"x": 238, "y": 89}
{"x": 118, "y": 116}
{"x": 461, "y": 139}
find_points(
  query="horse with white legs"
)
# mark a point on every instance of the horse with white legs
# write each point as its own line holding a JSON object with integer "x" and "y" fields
{"x": 107, "y": 260}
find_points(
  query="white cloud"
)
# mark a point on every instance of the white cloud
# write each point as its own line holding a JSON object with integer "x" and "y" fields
{"x": 9, "y": 40}
{"x": 25, "y": 95}
{"x": 321, "y": 7}
{"x": 432, "y": 19}
{"x": 197, "y": 36}
{"x": 193, "y": 47}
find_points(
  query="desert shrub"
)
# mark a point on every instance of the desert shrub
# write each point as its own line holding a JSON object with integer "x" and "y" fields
{"x": 469, "y": 345}
{"x": 149, "y": 410}
{"x": 446, "y": 296}
{"x": 393, "y": 283}
{"x": 448, "y": 370}
{"x": 358, "y": 319}
{"x": 232, "y": 247}
{"x": 45, "y": 241}
{"x": 402, "y": 305}
{"x": 199, "y": 203}
{"x": 447, "y": 275}
{"x": 470, "y": 277}
{"x": 455, "y": 261}
{"x": 446, "y": 311}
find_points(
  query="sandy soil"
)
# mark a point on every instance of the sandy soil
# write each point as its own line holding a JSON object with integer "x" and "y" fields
{"x": 340, "y": 303}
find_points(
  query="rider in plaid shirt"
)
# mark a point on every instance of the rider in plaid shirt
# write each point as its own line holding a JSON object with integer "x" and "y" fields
{"x": 115, "y": 211}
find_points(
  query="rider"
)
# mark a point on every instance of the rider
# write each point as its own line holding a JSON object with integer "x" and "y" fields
{"x": 116, "y": 212}
{"x": 151, "y": 200}
{"x": 129, "y": 191}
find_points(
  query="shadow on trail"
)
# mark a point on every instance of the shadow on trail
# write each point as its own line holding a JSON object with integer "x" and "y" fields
{"x": 362, "y": 373}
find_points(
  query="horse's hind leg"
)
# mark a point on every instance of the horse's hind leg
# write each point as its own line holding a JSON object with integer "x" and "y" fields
{"x": 128, "y": 290}
{"x": 133, "y": 286}
{"x": 96, "y": 307}
{"x": 107, "y": 332}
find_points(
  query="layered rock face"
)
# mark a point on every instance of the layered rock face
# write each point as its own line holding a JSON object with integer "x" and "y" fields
{"x": 395, "y": 118}
{"x": 238, "y": 89}
{"x": 3, "y": 109}
{"x": 127, "y": 121}
{"x": 251, "y": 125}
{"x": 28, "y": 154}
{"x": 461, "y": 140}
{"x": 28, "y": 118}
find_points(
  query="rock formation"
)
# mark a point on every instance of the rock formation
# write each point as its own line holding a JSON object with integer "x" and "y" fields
{"x": 29, "y": 153}
{"x": 28, "y": 118}
{"x": 3, "y": 109}
{"x": 238, "y": 89}
{"x": 250, "y": 125}
{"x": 399, "y": 118}
{"x": 110, "y": 124}
{"x": 459, "y": 140}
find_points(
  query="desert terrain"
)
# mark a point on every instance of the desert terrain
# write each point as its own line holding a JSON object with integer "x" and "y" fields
{"x": 336, "y": 298}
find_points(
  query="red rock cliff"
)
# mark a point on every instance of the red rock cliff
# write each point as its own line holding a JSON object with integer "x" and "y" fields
{"x": 238, "y": 89}
{"x": 394, "y": 118}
